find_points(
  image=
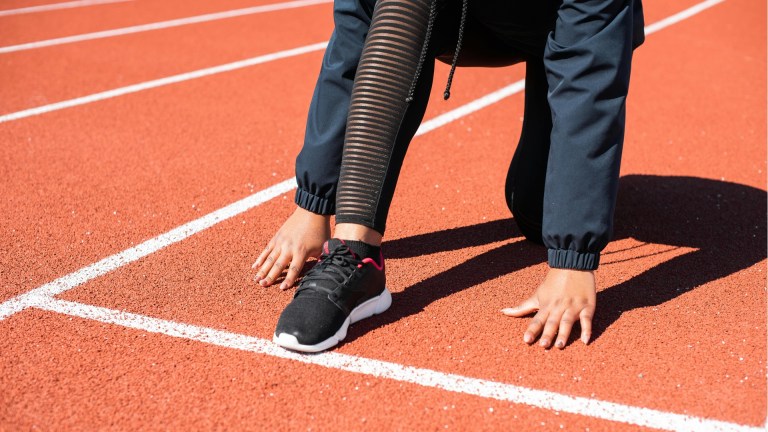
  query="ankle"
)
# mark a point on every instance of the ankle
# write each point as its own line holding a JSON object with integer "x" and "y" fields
{"x": 364, "y": 250}
{"x": 354, "y": 232}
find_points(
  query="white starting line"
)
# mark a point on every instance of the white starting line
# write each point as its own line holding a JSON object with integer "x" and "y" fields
{"x": 382, "y": 369}
{"x": 43, "y": 298}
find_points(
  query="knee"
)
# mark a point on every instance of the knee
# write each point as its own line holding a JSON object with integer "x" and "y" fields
{"x": 530, "y": 227}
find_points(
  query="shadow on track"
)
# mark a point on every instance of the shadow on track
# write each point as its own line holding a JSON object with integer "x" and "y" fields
{"x": 724, "y": 222}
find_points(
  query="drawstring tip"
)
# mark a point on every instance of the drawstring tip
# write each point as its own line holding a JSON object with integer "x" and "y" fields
{"x": 409, "y": 99}
{"x": 446, "y": 95}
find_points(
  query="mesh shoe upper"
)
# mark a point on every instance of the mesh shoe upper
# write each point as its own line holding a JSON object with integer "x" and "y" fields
{"x": 329, "y": 292}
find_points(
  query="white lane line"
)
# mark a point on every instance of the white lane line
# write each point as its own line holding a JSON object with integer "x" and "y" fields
{"x": 650, "y": 29}
{"x": 162, "y": 25}
{"x": 148, "y": 247}
{"x": 676, "y": 18}
{"x": 56, "y": 6}
{"x": 79, "y": 277}
{"x": 162, "y": 82}
{"x": 543, "y": 399}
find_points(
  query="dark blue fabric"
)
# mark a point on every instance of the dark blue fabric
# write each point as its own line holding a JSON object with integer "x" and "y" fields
{"x": 318, "y": 163}
{"x": 568, "y": 159}
{"x": 587, "y": 60}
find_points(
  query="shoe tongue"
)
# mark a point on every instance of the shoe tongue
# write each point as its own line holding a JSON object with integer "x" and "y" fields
{"x": 321, "y": 286}
{"x": 332, "y": 244}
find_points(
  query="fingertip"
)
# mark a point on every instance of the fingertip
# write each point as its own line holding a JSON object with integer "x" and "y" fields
{"x": 560, "y": 344}
{"x": 585, "y": 339}
{"x": 527, "y": 338}
{"x": 509, "y": 311}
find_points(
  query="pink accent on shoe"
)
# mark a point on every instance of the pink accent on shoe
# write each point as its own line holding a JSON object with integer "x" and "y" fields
{"x": 379, "y": 267}
{"x": 325, "y": 248}
{"x": 350, "y": 250}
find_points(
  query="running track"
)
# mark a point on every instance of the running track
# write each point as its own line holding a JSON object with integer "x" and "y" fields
{"x": 143, "y": 168}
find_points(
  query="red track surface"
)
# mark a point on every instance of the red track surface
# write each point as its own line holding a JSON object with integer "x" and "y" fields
{"x": 681, "y": 323}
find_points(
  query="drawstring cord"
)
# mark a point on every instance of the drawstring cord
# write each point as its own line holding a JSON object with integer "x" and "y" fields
{"x": 425, "y": 47}
{"x": 447, "y": 92}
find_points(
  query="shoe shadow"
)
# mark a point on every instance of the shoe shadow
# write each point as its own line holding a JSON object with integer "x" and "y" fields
{"x": 724, "y": 222}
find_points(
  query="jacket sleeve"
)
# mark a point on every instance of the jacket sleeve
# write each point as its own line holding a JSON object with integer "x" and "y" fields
{"x": 318, "y": 163}
{"x": 587, "y": 60}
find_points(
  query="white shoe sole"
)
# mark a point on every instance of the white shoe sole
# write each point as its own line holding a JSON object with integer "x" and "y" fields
{"x": 370, "y": 307}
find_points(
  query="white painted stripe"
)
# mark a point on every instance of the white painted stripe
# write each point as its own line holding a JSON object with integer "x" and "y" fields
{"x": 162, "y": 25}
{"x": 471, "y": 107}
{"x": 263, "y": 59}
{"x": 56, "y": 6}
{"x": 150, "y": 246}
{"x": 162, "y": 82}
{"x": 548, "y": 400}
{"x": 62, "y": 284}
{"x": 676, "y": 18}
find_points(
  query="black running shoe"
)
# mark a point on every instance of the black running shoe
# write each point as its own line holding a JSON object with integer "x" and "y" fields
{"x": 339, "y": 290}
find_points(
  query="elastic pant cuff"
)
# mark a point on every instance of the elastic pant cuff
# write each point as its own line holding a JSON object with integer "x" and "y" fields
{"x": 314, "y": 203}
{"x": 570, "y": 259}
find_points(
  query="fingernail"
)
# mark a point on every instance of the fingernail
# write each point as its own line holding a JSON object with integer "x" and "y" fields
{"x": 560, "y": 344}
{"x": 263, "y": 282}
{"x": 544, "y": 342}
{"x": 527, "y": 338}
{"x": 283, "y": 286}
{"x": 507, "y": 310}
{"x": 585, "y": 339}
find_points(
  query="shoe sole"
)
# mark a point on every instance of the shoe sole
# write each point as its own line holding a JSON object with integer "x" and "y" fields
{"x": 370, "y": 307}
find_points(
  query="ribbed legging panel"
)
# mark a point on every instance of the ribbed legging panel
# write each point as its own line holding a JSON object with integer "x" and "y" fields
{"x": 387, "y": 68}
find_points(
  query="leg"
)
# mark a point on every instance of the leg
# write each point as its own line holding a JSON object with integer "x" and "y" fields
{"x": 381, "y": 123}
{"x": 348, "y": 283}
{"x": 527, "y": 172}
{"x": 318, "y": 163}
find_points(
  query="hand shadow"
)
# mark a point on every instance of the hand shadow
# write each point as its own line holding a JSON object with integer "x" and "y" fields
{"x": 725, "y": 222}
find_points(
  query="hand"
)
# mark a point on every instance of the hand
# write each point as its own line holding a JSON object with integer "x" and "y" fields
{"x": 564, "y": 297}
{"x": 300, "y": 237}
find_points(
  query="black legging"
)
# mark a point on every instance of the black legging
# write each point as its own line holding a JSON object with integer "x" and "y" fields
{"x": 381, "y": 124}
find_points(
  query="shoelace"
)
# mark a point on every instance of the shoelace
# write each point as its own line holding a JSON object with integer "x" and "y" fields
{"x": 337, "y": 266}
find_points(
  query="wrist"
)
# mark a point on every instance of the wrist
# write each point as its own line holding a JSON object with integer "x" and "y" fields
{"x": 573, "y": 260}
{"x": 311, "y": 215}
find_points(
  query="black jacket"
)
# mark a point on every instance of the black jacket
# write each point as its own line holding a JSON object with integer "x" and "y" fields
{"x": 587, "y": 56}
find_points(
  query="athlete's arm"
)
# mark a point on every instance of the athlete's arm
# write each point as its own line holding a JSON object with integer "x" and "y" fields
{"x": 587, "y": 61}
